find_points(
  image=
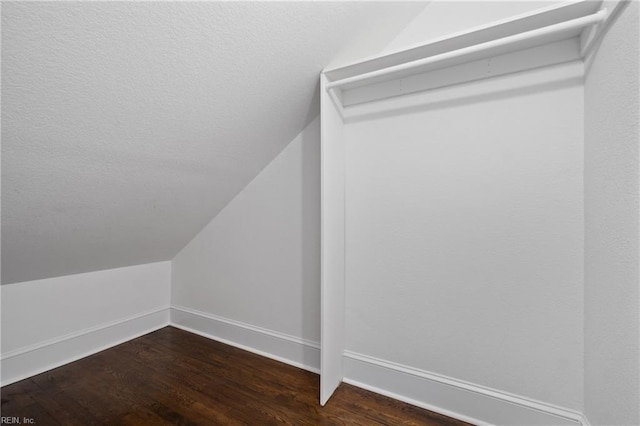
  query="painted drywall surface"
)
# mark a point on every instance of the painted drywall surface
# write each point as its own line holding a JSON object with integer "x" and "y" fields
{"x": 128, "y": 126}
{"x": 37, "y": 311}
{"x": 441, "y": 18}
{"x": 258, "y": 260}
{"x": 464, "y": 236}
{"x": 612, "y": 278}
{"x": 332, "y": 244}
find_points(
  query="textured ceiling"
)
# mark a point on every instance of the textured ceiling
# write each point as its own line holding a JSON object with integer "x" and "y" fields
{"x": 127, "y": 126}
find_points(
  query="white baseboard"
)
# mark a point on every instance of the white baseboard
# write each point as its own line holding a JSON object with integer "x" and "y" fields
{"x": 584, "y": 421}
{"x": 454, "y": 398}
{"x": 291, "y": 350}
{"x": 35, "y": 359}
{"x": 451, "y": 397}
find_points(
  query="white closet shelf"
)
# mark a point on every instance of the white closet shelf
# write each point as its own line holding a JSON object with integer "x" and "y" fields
{"x": 552, "y": 24}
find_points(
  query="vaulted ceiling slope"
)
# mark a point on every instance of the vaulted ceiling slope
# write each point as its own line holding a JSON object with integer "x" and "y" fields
{"x": 127, "y": 126}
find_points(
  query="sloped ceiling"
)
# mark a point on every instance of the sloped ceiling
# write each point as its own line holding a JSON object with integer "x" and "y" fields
{"x": 127, "y": 126}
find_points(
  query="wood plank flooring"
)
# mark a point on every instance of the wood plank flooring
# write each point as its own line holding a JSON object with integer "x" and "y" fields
{"x": 174, "y": 377}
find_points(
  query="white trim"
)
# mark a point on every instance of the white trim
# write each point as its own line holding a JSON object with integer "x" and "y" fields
{"x": 462, "y": 400}
{"x": 533, "y": 59}
{"x": 292, "y": 350}
{"x": 452, "y": 397}
{"x": 469, "y": 51}
{"x": 250, "y": 327}
{"x": 332, "y": 242}
{"x": 591, "y": 38}
{"x": 34, "y": 359}
{"x": 415, "y": 402}
{"x": 563, "y": 73}
{"x": 496, "y": 29}
{"x": 75, "y": 334}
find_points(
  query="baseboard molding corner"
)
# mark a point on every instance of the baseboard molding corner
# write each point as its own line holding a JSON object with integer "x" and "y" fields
{"x": 281, "y": 347}
{"x": 584, "y": 421}
{"x": 451, "y": 397}
{"x": 25, "y": 362}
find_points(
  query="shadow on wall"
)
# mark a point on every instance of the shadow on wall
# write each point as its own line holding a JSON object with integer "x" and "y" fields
{"x": 465, "y": 99}
{"x": 310, "y": 232}
{"x": 314, "y": 112}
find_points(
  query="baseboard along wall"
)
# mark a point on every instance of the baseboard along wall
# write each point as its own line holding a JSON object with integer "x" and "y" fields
{"x": 35, "y": 359}
{"x": 291, "y": 350}
{"x": 451, "y": 397}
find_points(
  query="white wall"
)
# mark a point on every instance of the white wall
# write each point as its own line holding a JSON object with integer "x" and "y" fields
{"x": 465, "y": 235}
{"x": 268, "y": 274}
{"x": 257, "y": 261}
{"x": 48, "y": 322}
{"x": 612, "y": 355}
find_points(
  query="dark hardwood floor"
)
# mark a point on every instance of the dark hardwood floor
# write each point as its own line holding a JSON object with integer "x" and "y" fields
{"x": 174, "y": 377}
